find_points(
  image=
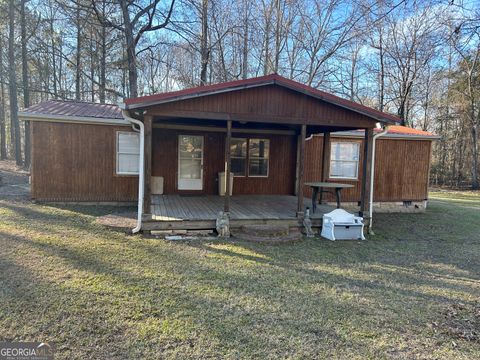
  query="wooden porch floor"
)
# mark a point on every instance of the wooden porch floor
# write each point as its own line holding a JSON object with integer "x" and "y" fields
{"x": 242, "y": 207}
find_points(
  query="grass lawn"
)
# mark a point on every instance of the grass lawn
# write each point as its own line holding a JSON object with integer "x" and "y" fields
{"x": 411, "y": 291}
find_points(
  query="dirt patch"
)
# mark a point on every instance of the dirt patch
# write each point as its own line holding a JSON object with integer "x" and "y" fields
{"x": 461, "y": 322}
{"x": 13, "y": 181}
{"x": 121, "y": 221}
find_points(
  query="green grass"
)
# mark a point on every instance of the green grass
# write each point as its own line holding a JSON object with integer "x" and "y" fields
{"x": 96, "y": 293}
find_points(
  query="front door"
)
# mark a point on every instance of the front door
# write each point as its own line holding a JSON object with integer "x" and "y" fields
{"x": 190, "y": 162}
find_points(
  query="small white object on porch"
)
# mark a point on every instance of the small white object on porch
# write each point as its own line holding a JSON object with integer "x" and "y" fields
{"x": 341, "y": 225}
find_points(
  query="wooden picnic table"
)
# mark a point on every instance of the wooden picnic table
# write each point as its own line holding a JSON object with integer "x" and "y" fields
{"x": 320, "y": 187}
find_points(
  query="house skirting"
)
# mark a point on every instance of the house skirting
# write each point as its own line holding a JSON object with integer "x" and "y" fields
{"x": 389, "y": 206}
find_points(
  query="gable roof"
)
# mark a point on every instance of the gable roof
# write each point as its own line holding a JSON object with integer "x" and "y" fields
{"x": 274, "y": 79}
{"x": 94, "y": 113}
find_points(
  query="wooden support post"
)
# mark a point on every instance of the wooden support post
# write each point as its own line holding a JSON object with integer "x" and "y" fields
{"x": 366, "y": 175}
{"x": 147, "y": 196}
{"x": 226, "y": 207}
{"x": 325, "y": 156}
{"x": 326, "y": 149}
{"x": 300, "y": 167}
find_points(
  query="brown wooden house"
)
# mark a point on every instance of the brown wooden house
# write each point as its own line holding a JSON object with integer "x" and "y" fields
{"x": 268, "y": 131}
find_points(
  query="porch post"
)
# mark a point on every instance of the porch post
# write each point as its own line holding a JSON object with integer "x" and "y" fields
{"x": 147, "y": 195}
{"x": 226, "y": 206}
{"x": 300, "y": 167}
{"x": 367, "y": 167}
{"x": 325, "y": 156}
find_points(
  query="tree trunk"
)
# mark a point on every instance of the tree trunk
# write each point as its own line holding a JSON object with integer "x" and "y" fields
{"x": 277, "y": 35}
{"x": 103, "y": 59}
{"x": 131, "y": 51}
{"x": 381, "y": 75}
{"x": 78, "y": 55}
{"x": 245, "y": 41}
{"x": 3, "y": 138}
{"x": 474, "y": 133}
{"x": 204, "y": 53}
{"x": 13, "y": 84}
{"x": 54, "y": 61}
{"x": 25, "y": 82}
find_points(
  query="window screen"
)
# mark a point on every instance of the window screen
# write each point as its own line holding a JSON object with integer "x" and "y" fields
{"x": 128, "y": 153}
{"x": 344, "y": 159}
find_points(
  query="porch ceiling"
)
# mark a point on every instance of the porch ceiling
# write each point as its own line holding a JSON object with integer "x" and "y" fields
{"x": 207, "y": 125}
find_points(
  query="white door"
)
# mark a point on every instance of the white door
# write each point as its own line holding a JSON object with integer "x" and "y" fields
{"x": 190, "y": 162}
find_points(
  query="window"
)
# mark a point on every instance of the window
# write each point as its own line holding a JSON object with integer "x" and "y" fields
{"x": 344, "y": 160}
{"x": 238, "y": 154}
{"x": 128, "y": 157}
{"x": 258, "y": 152}
{"x": 254, "y": 152}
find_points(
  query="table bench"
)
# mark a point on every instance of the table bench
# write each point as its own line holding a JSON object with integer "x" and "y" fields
{"x": 319, "y": 187}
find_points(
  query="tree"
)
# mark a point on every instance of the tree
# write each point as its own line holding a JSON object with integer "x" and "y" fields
{"x": 25, "y": 81}
{"x": 12, "y": 76}
{"x": 137, "y": 21}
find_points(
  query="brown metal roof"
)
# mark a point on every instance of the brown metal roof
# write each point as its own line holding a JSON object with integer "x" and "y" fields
{"x": 75, "y": 108}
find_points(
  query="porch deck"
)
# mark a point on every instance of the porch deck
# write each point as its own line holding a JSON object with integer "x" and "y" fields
{"x": 174, "y": 212}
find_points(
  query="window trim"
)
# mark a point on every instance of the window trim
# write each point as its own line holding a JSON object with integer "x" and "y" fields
{"x": 333, "y": 177}
{"x": 117, "y": 153}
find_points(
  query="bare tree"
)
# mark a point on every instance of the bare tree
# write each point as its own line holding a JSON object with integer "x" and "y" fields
{"x": 3, "y": 139}
{"x": 12, "y": 78}
{"x": 137, "y": 20}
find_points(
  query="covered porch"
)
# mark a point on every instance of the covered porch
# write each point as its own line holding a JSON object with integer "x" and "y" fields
{"x": 201, "y": 128}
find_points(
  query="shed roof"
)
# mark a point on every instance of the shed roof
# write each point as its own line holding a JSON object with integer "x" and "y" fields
{"x": 273, "y": 79}
{"x": 75, "y": 108}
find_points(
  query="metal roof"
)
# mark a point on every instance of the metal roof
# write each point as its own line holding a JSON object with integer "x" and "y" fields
{"x": 75, "y": 108}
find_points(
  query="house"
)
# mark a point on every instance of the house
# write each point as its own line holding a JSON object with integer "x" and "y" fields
{"x": 271, "y": 133}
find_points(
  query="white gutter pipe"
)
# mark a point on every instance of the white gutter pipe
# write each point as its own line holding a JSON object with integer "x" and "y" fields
{"x": 141, "y": 170}
{"x": 372, "y": 178}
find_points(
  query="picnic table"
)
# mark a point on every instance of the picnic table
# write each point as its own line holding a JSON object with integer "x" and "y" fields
{"x": 319, "y": 187}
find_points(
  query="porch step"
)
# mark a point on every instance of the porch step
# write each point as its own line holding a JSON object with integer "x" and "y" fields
{"x": 268, "y": 234}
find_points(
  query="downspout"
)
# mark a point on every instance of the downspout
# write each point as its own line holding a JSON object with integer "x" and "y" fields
{"x": 141, "y": 166}
{"x": 372, "y": 178}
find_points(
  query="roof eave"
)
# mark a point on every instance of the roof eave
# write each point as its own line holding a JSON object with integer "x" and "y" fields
{"x": 356, "y": 134}
{"x": 26, "y": 116}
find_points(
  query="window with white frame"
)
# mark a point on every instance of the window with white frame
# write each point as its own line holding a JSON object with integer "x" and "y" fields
{"x": 128, "y": 153}
{"x": 344, "y": 158}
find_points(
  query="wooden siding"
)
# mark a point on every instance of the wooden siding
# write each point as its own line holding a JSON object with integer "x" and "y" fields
{"x": 401, "y": 169}
{"x": 280, "y": 180}
{"x": 76, "y": 162}
{"x": 268, "y": 104}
